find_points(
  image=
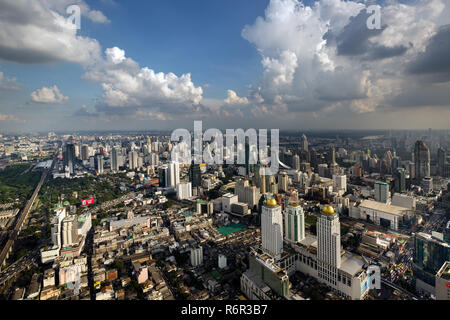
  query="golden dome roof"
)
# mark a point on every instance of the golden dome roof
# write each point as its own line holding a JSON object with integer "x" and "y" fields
{"x": 328, "y": 210}
{"x": 271, "y": 203}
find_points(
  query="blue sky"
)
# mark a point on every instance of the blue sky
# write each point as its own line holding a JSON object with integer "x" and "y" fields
{"x": 254, "y": 63}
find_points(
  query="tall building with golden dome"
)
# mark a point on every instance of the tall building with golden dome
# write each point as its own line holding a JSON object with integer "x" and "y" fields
{"x": 272, "y": 228}
{"x": 328, "y": 244}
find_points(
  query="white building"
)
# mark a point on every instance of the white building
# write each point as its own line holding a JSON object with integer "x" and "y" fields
{"x": 272, "y": 228}
{"x": 184, "y": 191}
{"x": 294, "y": 223}
{"x": 380, "y": 213}
{"x": 173, "y": 174}
{"x": 246, "y": 193}
{"x": 340, "y": 184}
{"x": 222, "y": 261}
{"x": 196, "y": 256}
{"x": 70, "y": 231}
{"x": 443, "y": 282}
{"x": 227, "y": 200}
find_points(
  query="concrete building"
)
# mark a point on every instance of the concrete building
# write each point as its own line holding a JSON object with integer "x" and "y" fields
{"x": 386, "y": 215}
{"x": 196, "y": 256}
{"x": 184, "y": 190}
{"x": 69, "y": 231}
{"x": 294, "y": 223}
{"x": 272, "y": 228}
{"x": 246, "y": 193}
{"x": 443, "y": 282}
{"x": 222, "y": 263}
{"x": 227, "y": 200}
{"x": 340, "y": 184}
{"x": 381, "y": 192}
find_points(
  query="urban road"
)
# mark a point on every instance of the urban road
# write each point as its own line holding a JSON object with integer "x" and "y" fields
{"x": 13, "y": 234}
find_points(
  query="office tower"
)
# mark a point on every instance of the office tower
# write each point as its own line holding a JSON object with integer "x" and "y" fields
{"x": 99, "y": 164}
{"x": 163, "y": 176}
{"x": 427, "y": 184}
{"x": 283, "y": 180}
{"x": 294, "y": 222}
{"x": 133, "y": 160}
{"x": 441, "y": 159}
{"x": 247, "y": 159}
{"x": 421, "y": 160}
{"x": 272, "y": 228}
{"x": 246, "y": 193}
{"x": 322, "y": 170}
{"x": 381, "y": 192}
{"x": 196, "y": 256}
{"x": 149, "y": 145}
{"x": 195, "y": 175}
{"x": 115, "y": 160}
{"x": 340, "y": 183}
{"x": 184, "y": 191}
{"x": 332, "y": 156}
{"x": 174, "y": 174}
{"x": 400, "y": 180}
{"x": 84, "y": 152}
{"x": 328, "y": 240}
{"x": 296, "y": 162}
{"x": 304, "y": 143}
{"x": 69, "y": 231}
{"x": 69, "y": 157}
{"x": 430, "y": 254}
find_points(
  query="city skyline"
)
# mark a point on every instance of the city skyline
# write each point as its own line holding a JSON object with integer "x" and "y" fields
{"x": 283, "y": 64}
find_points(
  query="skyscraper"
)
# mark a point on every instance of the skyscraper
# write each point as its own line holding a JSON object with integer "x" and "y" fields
{"x": 328, "y": 245}
{"x": 99, "y": 164}
{"x": 174, "y": 174}
{"x": 294, "y": 222}
{"x": 381, "y": 192}
{"x": 69, "y": 157}
{"x": 115, "y": 160}
{"x": 195, "y": 175}
{"x": 400, "y": 180}
{"x": 421, "y": 160}
{"x": 304, "y": 143}
{"x": 441, "y": 157}
{"x": 272, "y": 228}
{"x": 133, "y": 160}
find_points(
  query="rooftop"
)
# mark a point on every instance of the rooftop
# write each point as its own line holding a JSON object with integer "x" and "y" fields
{"x": 374, "y": 205}
{"x": 444, "y": 272}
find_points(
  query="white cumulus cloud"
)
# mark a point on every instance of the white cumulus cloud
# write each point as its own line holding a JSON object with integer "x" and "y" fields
{"x": 50, "y": 95}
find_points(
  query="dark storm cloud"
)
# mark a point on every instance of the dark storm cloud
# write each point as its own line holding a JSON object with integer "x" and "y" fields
{"x": 436, "y": 58}
{"x": 435, "y": 95}
{"x": 354, "y": 40}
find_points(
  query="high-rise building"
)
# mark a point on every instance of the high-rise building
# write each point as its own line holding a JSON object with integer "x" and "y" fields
{"x": 99, "y": 164}
{"x": 421, "y": 160}
{"x": 246, "y": 193}
{"x": 115, "y": 159}
{"x": 174, "y": 174}
{"x": 184, "y": 190}
{"x": 69, "y": 157}
{"x": 69, "y": 231}
{"x": 441, "y": 160}
{"x": 133, "y": 160}
{"x": 195, "y": 175}
{"x": 196, "y": 256}
{"x": 296, "y": 162}
{"x": 272, "y": 228}
{"x": 400, "y": 180}
{"x": 381, "y": 192}
{"x": 283, "y": 180}
{"x": 329, "y": 239}
{"x": 294, "y": 222}
{"x": 340, "y": 183}
{"x": 304, "y": 143}
{"x": 84, "y": 152}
